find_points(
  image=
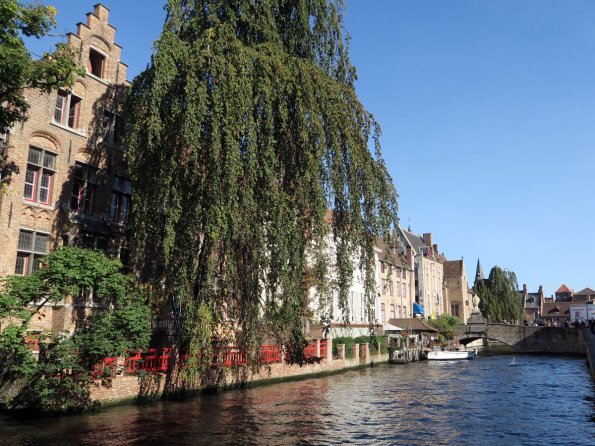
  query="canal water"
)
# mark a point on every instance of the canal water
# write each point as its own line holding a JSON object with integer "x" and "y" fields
{"x": 539, "y": 401}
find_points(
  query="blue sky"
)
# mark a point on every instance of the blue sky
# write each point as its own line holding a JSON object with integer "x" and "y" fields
{"x": 488, "y": 117}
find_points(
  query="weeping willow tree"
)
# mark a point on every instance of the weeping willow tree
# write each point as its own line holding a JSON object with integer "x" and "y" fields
{"x": 249, "y": 151}
{"x": 499, "y": 298}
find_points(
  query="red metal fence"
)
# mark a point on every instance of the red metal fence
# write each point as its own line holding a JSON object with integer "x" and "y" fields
{"x": 162, "y": 360}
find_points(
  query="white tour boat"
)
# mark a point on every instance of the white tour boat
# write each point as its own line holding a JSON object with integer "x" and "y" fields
{"x": 449, "y": 355}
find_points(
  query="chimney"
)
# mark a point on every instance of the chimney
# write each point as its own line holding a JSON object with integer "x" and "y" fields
{"x": 525, "y": 288}
{"x": 427, "y": 239}
{"x": 435, "y": 248}
{"x": 409, "y": 257}
{"x": 541, "y": 289}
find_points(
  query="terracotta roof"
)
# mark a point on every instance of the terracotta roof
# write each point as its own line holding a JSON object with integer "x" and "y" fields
{"x": 414, "y": 324}
{"x": 564, "y": 289}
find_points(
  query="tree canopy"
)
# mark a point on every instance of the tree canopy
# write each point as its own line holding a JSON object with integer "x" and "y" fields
{"x": 447, "y": 325}
{"x": 123, "y": 324}
{"x": 249, "y": 153}
{"x": 499, "y": 298}
{"x": 18, "y": 69}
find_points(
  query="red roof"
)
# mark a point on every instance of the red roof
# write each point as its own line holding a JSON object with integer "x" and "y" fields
{"x": 564, "y": 289}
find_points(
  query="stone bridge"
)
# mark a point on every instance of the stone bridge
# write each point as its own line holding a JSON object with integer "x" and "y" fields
{"x": 555, "y": 340}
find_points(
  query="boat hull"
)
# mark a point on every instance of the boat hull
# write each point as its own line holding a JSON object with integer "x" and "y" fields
{"x": 451, "y": 355}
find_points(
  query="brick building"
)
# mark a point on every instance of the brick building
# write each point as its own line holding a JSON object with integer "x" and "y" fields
{"x": 459, "y": 300}
{"x": 429, "y": 282}
{"x": 70, "y": 185}
{"x": 532, "y": 303}
{"x": 396, "y": 283}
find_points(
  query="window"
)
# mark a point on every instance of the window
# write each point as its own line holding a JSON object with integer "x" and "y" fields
{"x": 121, "y": 198}
{"x": 392, "y": 311}
{"x": 454, "y": 310}
{"x": 382, "y": 313}
{"x": 362, "y": 313}
{"x": 41, "y": 166}
{"x": 31, "y": 248}
{"x": 383, "y": 285}
{"x": 390, "y": 287}
{"x": 83, "y": 188}
{"x": 112, "y": 129}
{"x": 382, "y": 267}
{"x": 67, "y": 109}
{"x": 96, "y": 63}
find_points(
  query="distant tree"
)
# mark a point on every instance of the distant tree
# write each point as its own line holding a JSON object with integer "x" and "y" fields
{"x": 498, "y": 295}
{"x": 446, "y": 324}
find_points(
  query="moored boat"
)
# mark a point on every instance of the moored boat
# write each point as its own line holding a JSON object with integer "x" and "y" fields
{"x": 449, "y": 355}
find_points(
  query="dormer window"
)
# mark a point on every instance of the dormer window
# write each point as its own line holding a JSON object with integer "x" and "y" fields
{"x": 96, "y": 63}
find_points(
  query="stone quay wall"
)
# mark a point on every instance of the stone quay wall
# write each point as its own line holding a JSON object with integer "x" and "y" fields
{"x": 590, "y": 341}
{"x": 153, "y": 386}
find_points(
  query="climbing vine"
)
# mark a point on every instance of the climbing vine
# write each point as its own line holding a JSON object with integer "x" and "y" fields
{"x": 250, "y": 153}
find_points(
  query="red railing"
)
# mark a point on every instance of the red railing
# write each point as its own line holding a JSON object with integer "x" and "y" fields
{"x": 229, "y": 357}
{"x": 161, "y": 360}
{"x": 323, "y": 348}
{"x": 107, "y": 367}
{"x": 270, "y": 354}
{"x": 310, "y": 350}
{"x": 133, "y": 362}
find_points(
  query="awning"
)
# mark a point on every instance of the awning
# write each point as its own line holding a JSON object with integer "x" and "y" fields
{"x": 391, "y": 327}
{"x": 418, "y": 309}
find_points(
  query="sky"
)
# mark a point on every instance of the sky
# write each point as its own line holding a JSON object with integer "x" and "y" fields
{"x": 487, "y": 111}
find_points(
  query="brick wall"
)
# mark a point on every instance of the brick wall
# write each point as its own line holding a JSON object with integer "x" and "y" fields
{"x": 83, "y": 142}
{"x": 151, "y": 386}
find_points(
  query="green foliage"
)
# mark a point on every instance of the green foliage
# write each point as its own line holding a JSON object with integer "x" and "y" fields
{"x": 18, "y": 70}
{"x": 59, "y": 384}
{"x": 65, "y": 272}
{"x": 15, "y": 356}
{"x": 248, "y": 130}
{"x": 112, "y": 333}
{"x": 499, "y": 299}
{"x": 447, "y": 325}
{"x": 373, "y": 342}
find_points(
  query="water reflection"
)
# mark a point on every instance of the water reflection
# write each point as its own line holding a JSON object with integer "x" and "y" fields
{"x": 480, "y": 402}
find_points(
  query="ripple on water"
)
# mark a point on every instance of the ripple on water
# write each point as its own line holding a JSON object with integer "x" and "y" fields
{"x": 480, "y": 402}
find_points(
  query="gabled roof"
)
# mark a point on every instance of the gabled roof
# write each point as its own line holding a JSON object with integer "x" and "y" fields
{"x": 413, "y": 324}
{"x": 413, "y": 240}
{"x": 564, "y": 289}
{"x": 585, "y": 292}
